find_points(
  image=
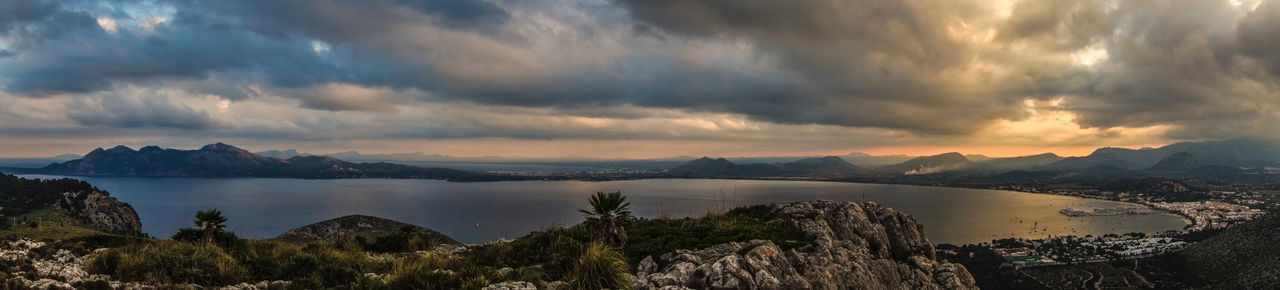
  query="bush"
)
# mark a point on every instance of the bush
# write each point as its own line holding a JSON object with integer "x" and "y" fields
{"x": 652, "y": 237}
{"x": 600, "y": 267}
{"x": 554, "y": 250}
{"x": 370, "y": 283}
{"x": 224, "y": 239}
{"x": 426, "y": 272}
{"x": 310, "y": 266}
{"x": 172, "y": 262}
{"x": 408, "y": 239}
{"x": 106, "y": 263}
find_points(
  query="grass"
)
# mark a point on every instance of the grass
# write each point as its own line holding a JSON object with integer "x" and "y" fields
{"x": 600, "y": 267}
{"x": 170, "y": 262}
{"x": 51, "y": 225}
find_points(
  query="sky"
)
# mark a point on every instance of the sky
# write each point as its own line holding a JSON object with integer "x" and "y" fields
{"x": 637, "y": 78}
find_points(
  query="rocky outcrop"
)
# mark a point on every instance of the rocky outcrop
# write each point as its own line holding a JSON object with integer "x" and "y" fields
{"x": 358, "y": 225}
{"x": 856, "y": 246}
{"x": 38, "y": 265}
{"x": 99, "y": 211}
{"x": 519, "y": 285}
{"x": 81, "y": 202}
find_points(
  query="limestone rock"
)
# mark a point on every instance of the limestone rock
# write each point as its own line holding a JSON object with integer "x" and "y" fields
{"x": 519, "y": 285}
{"x": 101, "y": 212}
{"x": 856, "y": 246}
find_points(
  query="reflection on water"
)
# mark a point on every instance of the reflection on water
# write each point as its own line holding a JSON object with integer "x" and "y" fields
{"x": 484, "y": 211}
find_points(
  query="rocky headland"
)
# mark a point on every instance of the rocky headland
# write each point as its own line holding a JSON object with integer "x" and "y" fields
{"x": 856, "y": 245}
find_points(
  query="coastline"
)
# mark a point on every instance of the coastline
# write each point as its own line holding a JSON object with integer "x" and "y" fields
{"x": 210, "y": 198}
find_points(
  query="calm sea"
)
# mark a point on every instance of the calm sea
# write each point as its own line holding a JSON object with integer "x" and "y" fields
{"x": 484, "y": 211}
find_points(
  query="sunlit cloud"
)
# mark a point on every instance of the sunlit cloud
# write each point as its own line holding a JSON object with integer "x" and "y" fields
{"x": 997, "y": 77}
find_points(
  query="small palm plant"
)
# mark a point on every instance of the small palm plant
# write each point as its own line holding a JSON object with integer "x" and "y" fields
{"x": 211, "y": 222}
{"x": 608, "y": 216}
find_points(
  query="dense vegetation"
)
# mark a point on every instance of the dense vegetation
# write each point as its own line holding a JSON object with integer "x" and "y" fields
{"x": 578, "y": 255}
{"x": 21, "y": 195}
{"x": 597, "y": 253}
{"x": 651, "y": 237}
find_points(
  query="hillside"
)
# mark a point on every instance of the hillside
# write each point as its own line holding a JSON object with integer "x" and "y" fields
{"x": 222, "y": 160}
{"x": 1181, "y": 161}
{"x": 1015, "y": 163}
{"x": 61, "y": 208}
{"x": 1241, "y": 257}
{"x": 1234, "y": 152}
{"x": 819, "y": 166}
{"x": 929, "y": 164}
{"x": 359, "y": 225}
{"x": 829, "y": 166}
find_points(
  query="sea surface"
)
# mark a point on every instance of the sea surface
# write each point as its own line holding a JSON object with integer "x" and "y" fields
{"x": 476, "y": 212}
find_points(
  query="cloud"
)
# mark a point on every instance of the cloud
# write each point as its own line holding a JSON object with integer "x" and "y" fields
{"x": 138, "y": 109}
{"x": 1198, "y": 66}
{"x": 348, "y": 97}
{"x": 828, "y": 72}
{"x": 889, "y": 64}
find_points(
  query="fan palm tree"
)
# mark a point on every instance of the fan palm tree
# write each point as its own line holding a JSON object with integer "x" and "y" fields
{"x": 211, "y": 222}
{"x": 609, "y": 214}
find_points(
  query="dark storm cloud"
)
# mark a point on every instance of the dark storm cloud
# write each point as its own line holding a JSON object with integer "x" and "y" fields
{"x": 67, "y": 52}
{"x": 1196, "y": 65}
{"x": 929, "y": 67}
{"x": 77, "y": 56}
{"x": 1259, "y": 35}
{"x": 1059, "y": 25}
{"x": 872, "y": 63}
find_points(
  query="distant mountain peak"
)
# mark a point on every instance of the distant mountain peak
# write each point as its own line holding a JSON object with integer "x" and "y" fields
{"x": 220, "y": 147}
{"x": 120, "y": 149}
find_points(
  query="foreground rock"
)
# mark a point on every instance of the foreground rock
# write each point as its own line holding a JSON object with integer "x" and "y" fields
{"x": 856, "y": 246}
{"x": 37, "y": 265}
{"x": 358, "y": 225}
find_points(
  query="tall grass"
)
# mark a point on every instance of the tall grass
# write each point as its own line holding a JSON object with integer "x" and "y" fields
{"x": 600, "y": 267}
{"x": 170, "y": 262}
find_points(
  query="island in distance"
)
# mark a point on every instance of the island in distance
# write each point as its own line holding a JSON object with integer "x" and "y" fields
{"x": 1227, "y": 161}
{"x": 222, "y": 160}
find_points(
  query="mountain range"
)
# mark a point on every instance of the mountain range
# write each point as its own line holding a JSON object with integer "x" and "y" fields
{"x": 1194, "y": 160}
{"x": 827, "y": 166}
{"x": 222, "y": 160}
{"x": 1181, "y": 159}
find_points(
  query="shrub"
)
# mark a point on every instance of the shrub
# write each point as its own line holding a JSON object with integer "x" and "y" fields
{"x": 105, "y": 263}
{"x": 600, "y": 267}
{"x": 366, "y": 282}
{"x": 554, "y": 250}
{"x": 408, "y": 239}
{"x": 310, "y": 266}
{"x": 174, "y": 262}
{"x": 426, "y": 272}
{"x": 651, "y": 237}
{"x": 224, "y": 239}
